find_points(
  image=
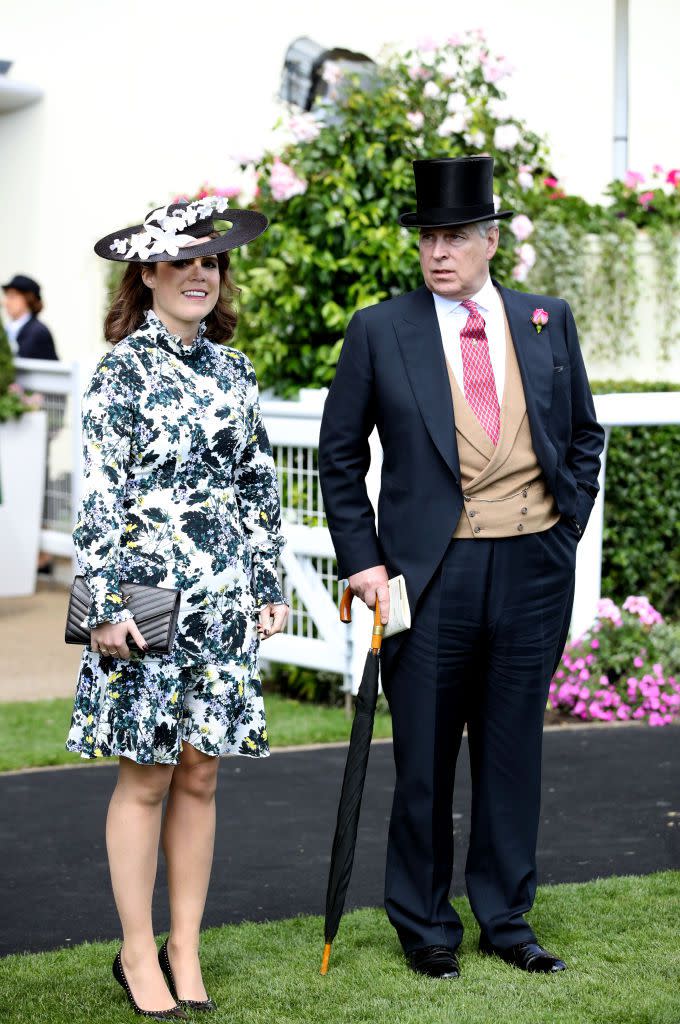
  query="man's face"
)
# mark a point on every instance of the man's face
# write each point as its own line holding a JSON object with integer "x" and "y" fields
{"x": 455, "y": 260}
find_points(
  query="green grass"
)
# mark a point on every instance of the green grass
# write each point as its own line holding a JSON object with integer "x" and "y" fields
{"x": 32, "y": 733}
{"x": 618, "y": 936}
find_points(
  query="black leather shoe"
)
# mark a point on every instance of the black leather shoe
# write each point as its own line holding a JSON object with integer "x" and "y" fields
{"x": 528, "y": 956}
{"x": 176, "y": 1013}
{"x": 199, "y": 1005}
{"x": 435, "y": 961}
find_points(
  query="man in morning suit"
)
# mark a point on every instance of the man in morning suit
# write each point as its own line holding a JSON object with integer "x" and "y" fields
{"x": 490, "y": 463}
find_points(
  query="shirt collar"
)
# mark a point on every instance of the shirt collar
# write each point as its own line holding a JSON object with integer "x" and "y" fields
{"x": 483, "y": 298}
{"x": 14, "y": 326}
{"x": 154, "y": 329}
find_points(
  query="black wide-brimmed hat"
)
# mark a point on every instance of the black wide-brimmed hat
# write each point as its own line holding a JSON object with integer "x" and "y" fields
{"x": 23, "y": 283}
{"x": 453, "y": 191}
{"x": 168, "y": 232}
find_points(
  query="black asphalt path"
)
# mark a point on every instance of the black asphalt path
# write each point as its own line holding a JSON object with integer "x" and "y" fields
{"x": 611, "y": 806}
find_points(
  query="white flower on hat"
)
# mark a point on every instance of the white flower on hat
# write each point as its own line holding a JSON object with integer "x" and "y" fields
{"x": 168, "y": 241}
{"x": 162, "y": 232}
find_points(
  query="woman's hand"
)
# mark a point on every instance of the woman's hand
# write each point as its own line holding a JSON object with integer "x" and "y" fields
{"x": 273, "y": 618}
{"x": 111, "y": 638}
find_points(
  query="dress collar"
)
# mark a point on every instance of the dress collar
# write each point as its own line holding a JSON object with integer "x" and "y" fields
{"x": 154, "y": 329}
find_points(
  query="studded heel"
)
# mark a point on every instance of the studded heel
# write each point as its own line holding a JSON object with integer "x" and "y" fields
{"x": 198, "y": 1005}
{"x": 176, "y": 1013}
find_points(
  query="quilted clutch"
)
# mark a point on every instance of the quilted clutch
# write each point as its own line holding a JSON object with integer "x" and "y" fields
{"x": 154, "y": 609}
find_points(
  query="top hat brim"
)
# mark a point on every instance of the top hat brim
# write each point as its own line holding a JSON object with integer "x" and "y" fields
{"x": 450, "y": 218}
{"x": 246, "y": 225}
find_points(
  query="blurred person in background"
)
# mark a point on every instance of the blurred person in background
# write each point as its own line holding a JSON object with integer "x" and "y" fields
{"x": 28, "y": 336}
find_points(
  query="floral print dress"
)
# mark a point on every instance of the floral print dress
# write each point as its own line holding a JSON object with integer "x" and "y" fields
{"x": 180, "y": 491}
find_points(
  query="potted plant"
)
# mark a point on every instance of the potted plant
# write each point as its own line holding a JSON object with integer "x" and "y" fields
{"x": 23, "y": 452}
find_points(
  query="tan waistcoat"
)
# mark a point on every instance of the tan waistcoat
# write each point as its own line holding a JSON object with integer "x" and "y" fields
{"x": 503, "y": 486}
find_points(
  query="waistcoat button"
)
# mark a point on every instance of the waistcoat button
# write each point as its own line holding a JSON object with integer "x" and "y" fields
{"x": 478, "y": 529}
{"x": 472, "y": 513}
{"x": 520, "y": 527}
{"x": 524, "y": 510}
{"x": 525, "y": 493}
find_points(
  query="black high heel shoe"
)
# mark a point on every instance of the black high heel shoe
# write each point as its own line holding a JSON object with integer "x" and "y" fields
{"x": 176, "y": 1013}
{"x": 199, "y": 1005}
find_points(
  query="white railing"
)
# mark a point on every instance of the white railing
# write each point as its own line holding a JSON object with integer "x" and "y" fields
{"x": 314, "y": 637}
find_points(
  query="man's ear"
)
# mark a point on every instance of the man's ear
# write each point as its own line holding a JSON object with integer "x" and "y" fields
{"x": 492, "y": 240}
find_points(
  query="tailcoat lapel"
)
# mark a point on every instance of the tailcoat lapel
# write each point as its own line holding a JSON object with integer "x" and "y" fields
{"x": 534, "y": 355}
{"x": 423, "y": 354}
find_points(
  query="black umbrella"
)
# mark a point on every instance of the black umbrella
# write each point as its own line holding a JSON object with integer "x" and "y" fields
{"x": 344, "y": 842}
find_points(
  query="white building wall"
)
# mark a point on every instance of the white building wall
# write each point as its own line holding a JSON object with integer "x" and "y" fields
{"x": 144, "y": 99}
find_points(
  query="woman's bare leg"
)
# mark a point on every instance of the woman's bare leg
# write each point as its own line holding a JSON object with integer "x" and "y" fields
{"x": 132, "y": 834}
{"x": 188, "y": 841}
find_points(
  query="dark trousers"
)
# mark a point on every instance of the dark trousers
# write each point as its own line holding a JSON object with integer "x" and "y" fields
{"x": 485, "y": 639}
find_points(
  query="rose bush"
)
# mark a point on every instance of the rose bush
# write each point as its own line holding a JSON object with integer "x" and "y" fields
{"x": 335, "y": 186}
{"x": 626, "y": 667}
{"x": 14, "y": 400}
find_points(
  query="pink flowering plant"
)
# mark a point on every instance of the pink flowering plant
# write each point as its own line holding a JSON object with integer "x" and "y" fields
{"x": 16, "y": 401}
{"x": 626, "y": 667}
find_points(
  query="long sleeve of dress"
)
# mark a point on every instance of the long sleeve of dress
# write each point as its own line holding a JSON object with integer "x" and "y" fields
{"x": 107, "y": 421}
{"x": 258, "y": 502}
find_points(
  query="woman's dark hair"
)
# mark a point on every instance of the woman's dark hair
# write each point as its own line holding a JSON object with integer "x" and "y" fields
{"x": 132, "y": 300}
{"x": 33, "y": 302}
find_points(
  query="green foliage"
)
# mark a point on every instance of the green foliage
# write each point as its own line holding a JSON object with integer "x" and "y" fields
{"x": 7, "y": 372}
{"x": 641, "y": 553}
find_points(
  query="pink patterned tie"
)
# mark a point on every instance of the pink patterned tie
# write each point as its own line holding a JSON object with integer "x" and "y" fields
{"x": 479, "y": 382}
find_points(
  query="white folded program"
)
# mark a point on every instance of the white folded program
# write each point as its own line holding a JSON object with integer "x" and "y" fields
{"x": 400, "y": 613}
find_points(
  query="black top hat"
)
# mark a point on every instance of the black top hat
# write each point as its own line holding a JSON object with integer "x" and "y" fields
{"x": 22, "y": 283}
{"x": 166, "y": 233}
{"x": 453, "y": 191}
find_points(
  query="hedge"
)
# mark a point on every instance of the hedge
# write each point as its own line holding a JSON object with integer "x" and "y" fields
{"x": 641, "y": 553}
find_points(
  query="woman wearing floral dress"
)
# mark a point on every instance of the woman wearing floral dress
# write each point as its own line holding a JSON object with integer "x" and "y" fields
{"x": 180, "y": 491}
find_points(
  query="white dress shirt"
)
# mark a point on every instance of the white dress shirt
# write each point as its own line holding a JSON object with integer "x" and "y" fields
{"x": 13, "y": 327}
{"x": 452, "y": 317}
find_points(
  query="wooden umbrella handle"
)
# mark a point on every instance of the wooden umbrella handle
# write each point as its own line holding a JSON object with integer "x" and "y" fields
{"x": 346, "y": 616}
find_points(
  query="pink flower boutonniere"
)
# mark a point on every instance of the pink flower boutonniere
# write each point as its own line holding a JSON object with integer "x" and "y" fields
{"x": 539, "y": 319}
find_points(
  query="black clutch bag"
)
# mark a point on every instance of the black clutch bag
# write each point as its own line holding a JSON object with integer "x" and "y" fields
{"x": 154, "y": 609}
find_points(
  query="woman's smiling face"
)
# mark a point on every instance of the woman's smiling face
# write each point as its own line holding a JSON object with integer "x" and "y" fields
{"x": 184, "y": 291}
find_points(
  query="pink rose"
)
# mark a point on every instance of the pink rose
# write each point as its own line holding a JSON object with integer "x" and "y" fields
{"x": 521, "y": 227}
{"x": 673, "y": 177}
{"x": 431, "y": 90}
{"x": 645, "y": 198}
{"x": 632, "y": 179}
{"x": 520, "y": 272}
{"x": 525, "y": 178}
{"x": 416, "y": 119}
{"x": 284, "y": 182}
{"x": 527, "y": 254}
{"x": 539, "y": 319}
{"x": 550, "y": 182}
{"x": 506, "y": 136}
